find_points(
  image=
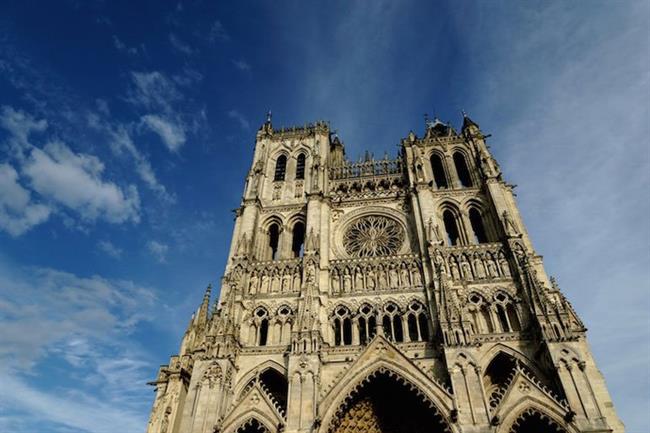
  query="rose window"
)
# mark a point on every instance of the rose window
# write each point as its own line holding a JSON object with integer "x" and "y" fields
{"x": 373, "y": 236}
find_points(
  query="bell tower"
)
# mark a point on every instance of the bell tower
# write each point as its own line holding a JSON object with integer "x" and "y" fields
{"x": 393, "y": 294}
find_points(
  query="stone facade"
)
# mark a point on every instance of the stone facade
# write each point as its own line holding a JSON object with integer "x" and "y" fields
{"x": 391, "y": 295}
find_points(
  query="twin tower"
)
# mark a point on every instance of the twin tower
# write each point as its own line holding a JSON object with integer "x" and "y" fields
{"x": 386, "y": 295}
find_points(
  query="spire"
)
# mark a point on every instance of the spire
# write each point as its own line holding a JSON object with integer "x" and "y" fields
{"x": 202, "y": 316}
{"x": 467, "y": 122}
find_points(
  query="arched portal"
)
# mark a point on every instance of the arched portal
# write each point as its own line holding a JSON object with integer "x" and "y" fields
{"x": 385, "y": 405}
{"x": 532, "y": 421}
{"x": 253, "y": 426}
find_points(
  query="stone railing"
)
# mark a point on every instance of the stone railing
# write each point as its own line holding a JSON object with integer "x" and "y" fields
{"x": 375, "y": 274}
{"x": 382, "y": 167}
{"x": 473, "y": 262}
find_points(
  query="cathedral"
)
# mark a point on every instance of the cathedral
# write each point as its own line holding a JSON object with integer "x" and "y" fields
{"x": 383, "y": 296}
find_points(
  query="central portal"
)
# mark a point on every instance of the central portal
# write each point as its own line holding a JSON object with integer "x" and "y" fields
{"x": 384, "y": 405}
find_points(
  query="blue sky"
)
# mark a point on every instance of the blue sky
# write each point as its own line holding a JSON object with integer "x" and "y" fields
{"x": 126, "y": 131}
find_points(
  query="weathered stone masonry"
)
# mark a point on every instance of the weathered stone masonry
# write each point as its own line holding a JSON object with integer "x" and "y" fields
{"x": 390, "y": 295}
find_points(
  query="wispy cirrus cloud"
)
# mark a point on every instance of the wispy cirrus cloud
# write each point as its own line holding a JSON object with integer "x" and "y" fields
{"x": 242, "y": 65}
{"x": 179, "y": 45}
{"x": 81, "y": 325}
{"x": 239, "y": 118}
{"x": 218, "y": 32}
{"x": 158, "y": 250}
{"x": 169, "y": 132}
{"x": 18, "y": 211}
{"x": 110, "y": 249}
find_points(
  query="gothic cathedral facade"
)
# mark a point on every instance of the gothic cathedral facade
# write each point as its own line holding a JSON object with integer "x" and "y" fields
{"x": 385, "y": 295}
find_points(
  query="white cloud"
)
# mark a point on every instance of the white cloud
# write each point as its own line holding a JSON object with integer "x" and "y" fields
{"x": 172, "y": 134}
{"x": 84, "y": 323}
{"x": 153, "y": 90}
{"x": 20, "y": 125}
{"x": 217, "y": 32}
{"x": 158, "y": 250}
{"x": 243, "y": 122}
{"x": 179, "y": 45}
{"x": 74, "y": 180}
{"x": 18, "y": 213}
{"x": 123, "y": 48}
{"x": 242, "y": 65}
{"x": 121, "y": 141}
{"x": 109, "y": 248}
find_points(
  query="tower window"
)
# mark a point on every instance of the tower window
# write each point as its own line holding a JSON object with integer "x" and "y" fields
{"x": 451, "y": 228}
{"x": 298, "y": 241}
{"x": 280, "y": 168}
{"x": 274, "y": 240}
{"x": 300, "y": 167}
{"x": 480, "y": 237}
{"x": 438, "y": 172}
{"x": 264, "y": 331}
{"x": 462, "y": 170}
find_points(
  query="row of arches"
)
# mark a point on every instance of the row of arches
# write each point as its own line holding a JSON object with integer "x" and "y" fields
{"x": 383, "y": 400}
{"x": 464, "y": 228}
{"x": 443, "y": 177}
{"x": 283, "y": 242}
{"x": 497, "y": 315}
{"x": 359, "y": 328}
{"x": 266, "y": 330}
{"x": 280, "y": 171}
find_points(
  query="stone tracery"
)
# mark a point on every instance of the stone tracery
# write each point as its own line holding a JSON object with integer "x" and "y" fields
{"x": 372, "y": 236}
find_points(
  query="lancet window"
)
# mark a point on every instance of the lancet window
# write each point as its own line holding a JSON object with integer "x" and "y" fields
{"x": 418, "y": 329}
{"x": 438, "y": 169}
{"x": 274, "y": 241}
{"x": 367, "y": 323}
{"x": 260, "y": 331}
{"x": 298, "y": 239}
{"x": 451, "y": 228}
{"x": 392, "y": 323}
{"x": 462, "y": 170}
{"x": 342, "y": 326}
{"x": 300, "y": 167}
{"x": 280, "y": 168}
{"x": 478, "y": 227}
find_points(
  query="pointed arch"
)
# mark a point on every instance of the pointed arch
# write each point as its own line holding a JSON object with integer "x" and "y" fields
{"x": 386, "y": 403}
{"x": 552, "y": 416}
{"x": 383, "y": 357}
{"x": 252, "y": 425}
{"x": 462, "y": 169}
{"x": 280, "y": 168}
{"x": 300, "y": 166}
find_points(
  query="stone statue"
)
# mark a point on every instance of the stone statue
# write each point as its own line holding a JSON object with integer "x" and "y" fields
{"x": 433, "y": 233}
{"x": 416, "y": 277}
{"x": 358, "y": 280}
{"x": 491, "y": 267}
{"x": 509, "y": 224}
{"x": 453, "y": 266}
{"x": 336, "y": 283}
{"x": 503, "y": 264}
{"x": 347, "y": 281}
{"x": 253, "y": 283}
{"x": 383, "y": 283}
{"x": 370, "y": 279}
{"x": 265, "y": 284}
{"x": 404, "y": 276}
{"x": 478, "y": 266}
{"x": 466, "y": 268}
{"x": 393, "y": 279}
